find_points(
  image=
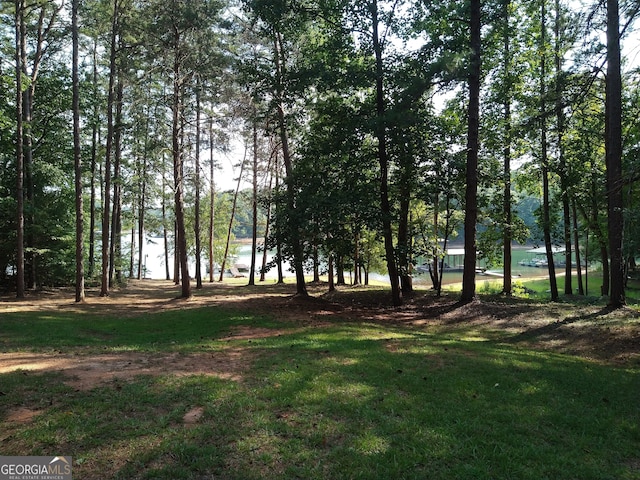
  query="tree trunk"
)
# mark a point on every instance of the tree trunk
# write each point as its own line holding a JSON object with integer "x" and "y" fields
{"x": 263, "y": 270}
{"x": 41, "y": 32}
{"x": 316, "y": 263}
{"x": 27, "y": 117}
{"x": 30, "y": 219}
{"x": 233, "y": 214}
{"x": 613, "y": 147}
{"x": 142, "y": 196}
{"x": 165, "y": 233}
{"x": 434, "y": 265}
{"x": 278, "y": 243}
{"x": 178, "y": 167}
{"x": 116, "y": 219}
{"x": 27, "y": 154}
{"x": 254, "y": 206}
{"x": 212, "y": 202}
{"x": 356, "y": 256}
{"x": 330, "y": 274}
{"x": 141, "y": 205}
{"x": 545, "y": 157}
{"x": 576, "y": 239}
{"x": 77, "y": 159}
{"x": 94, "y": 162}
{"x": 20, "y": 46}
{"x": 445, "y": 243}
{"x": 197, "y": 187}
{"x": 471, "y": 201}
{"x": 176, "y": 254}
{"x": 294, "y": 231}
{"x": 563, "y": 167}
{"x": 383, "y": 160}
{"x": 340, "y": 270}
{"x": 106, "y": 204}
{"x": 507, "y": 240}
{"x": 404, "y": 240}
{"x": 132, "y": 252}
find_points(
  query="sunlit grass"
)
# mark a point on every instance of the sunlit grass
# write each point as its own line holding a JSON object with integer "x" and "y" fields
{"x": 342, "y": 401}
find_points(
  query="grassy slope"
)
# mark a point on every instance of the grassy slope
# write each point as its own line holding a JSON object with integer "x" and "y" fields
{"x": 342, "y": 400}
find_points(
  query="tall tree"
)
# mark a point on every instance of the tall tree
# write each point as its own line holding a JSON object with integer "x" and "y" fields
{"x": 507, "y": 240}
{"x": 232, "y": 216}
{"x": 174, "y": 37}
{"x": 44, "y": 29}
{"x": 544, "y": 154}
{"x": 280, "y": 99}
{"x": 383, "y": 159}
{"x": 80, "y": 295}
{"x": 197, "y": 186}
{"x": 563, "y": 168}
{"x": 20, "y": 47}
{"x": 212, "y": 200}
{"x": 471, "y": 201}
{"x": 254, "y": 204}
{"x": 613, "y": 145}
{"x": 95, "y": 128}
{"x": 115, "y": 252}
{"x": 106, "y": 202}
{"x": 178, "y": 157}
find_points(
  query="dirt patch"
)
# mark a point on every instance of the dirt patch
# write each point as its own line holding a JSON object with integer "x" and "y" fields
{"x": 244, "y": 332}
{"x": 586, "y": 330}
{"x": 84, "y": 372}
{"x": 193, "y": 416}
{"x": 22, "y": 415}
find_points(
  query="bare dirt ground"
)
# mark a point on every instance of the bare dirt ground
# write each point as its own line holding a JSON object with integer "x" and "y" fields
{"x": 589, "y": 331}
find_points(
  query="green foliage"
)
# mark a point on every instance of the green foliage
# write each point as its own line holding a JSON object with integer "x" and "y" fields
{"x": 230, "y": 53}
{"x": 49, "y": 216}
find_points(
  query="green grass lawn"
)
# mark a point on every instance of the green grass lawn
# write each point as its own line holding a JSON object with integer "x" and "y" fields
{"x": 341, "y": 400}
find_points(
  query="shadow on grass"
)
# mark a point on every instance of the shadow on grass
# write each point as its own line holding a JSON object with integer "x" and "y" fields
{"x": 346, "y": 401}
{"x": 552, "y": 327}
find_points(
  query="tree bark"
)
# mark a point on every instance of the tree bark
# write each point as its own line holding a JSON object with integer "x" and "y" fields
{"x": 278, "y": 242}
{"x": 404, "y": 237}
{"x": 178, "y": 167}
{"x": 165, "y": 232}
{"x": 576, "y": 240}
{"x": 545, "y": 156}
{"x": 197, "y": 192}
{"x": 77, "y": 159}
{"x": 434, "y": 268}
{"x": 254, "y": 205}
{"x": 263, "y": 270}
{"x": 28, "y": 95}
{"x": 507, "y": 240}
{"x": 94, "y": 162}
{"x": 613, "y": 146}
{"x": 383, "y": 160}
{"x": 296, "y": 242}
{"x": 116, "y": 216}
{"x": 471, "y": 201}
{"x": 331, "y": 274}
{"x": 233, "y": 214}
{"x": 562, "y": 162}
{"x": 212, "y": 202}
{"x": 106, "y": 204}
{"x": 20, "y": 46}
{"x": 142, "y": 202}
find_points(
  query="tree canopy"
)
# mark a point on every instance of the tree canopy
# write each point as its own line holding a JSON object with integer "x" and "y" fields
{"x": 377, "y": 133}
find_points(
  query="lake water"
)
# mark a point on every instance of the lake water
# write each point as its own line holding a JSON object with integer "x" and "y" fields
{"x": 153, "y": 255}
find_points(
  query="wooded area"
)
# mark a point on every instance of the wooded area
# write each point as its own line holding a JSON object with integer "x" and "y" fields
{"x": 374, "y": 133}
